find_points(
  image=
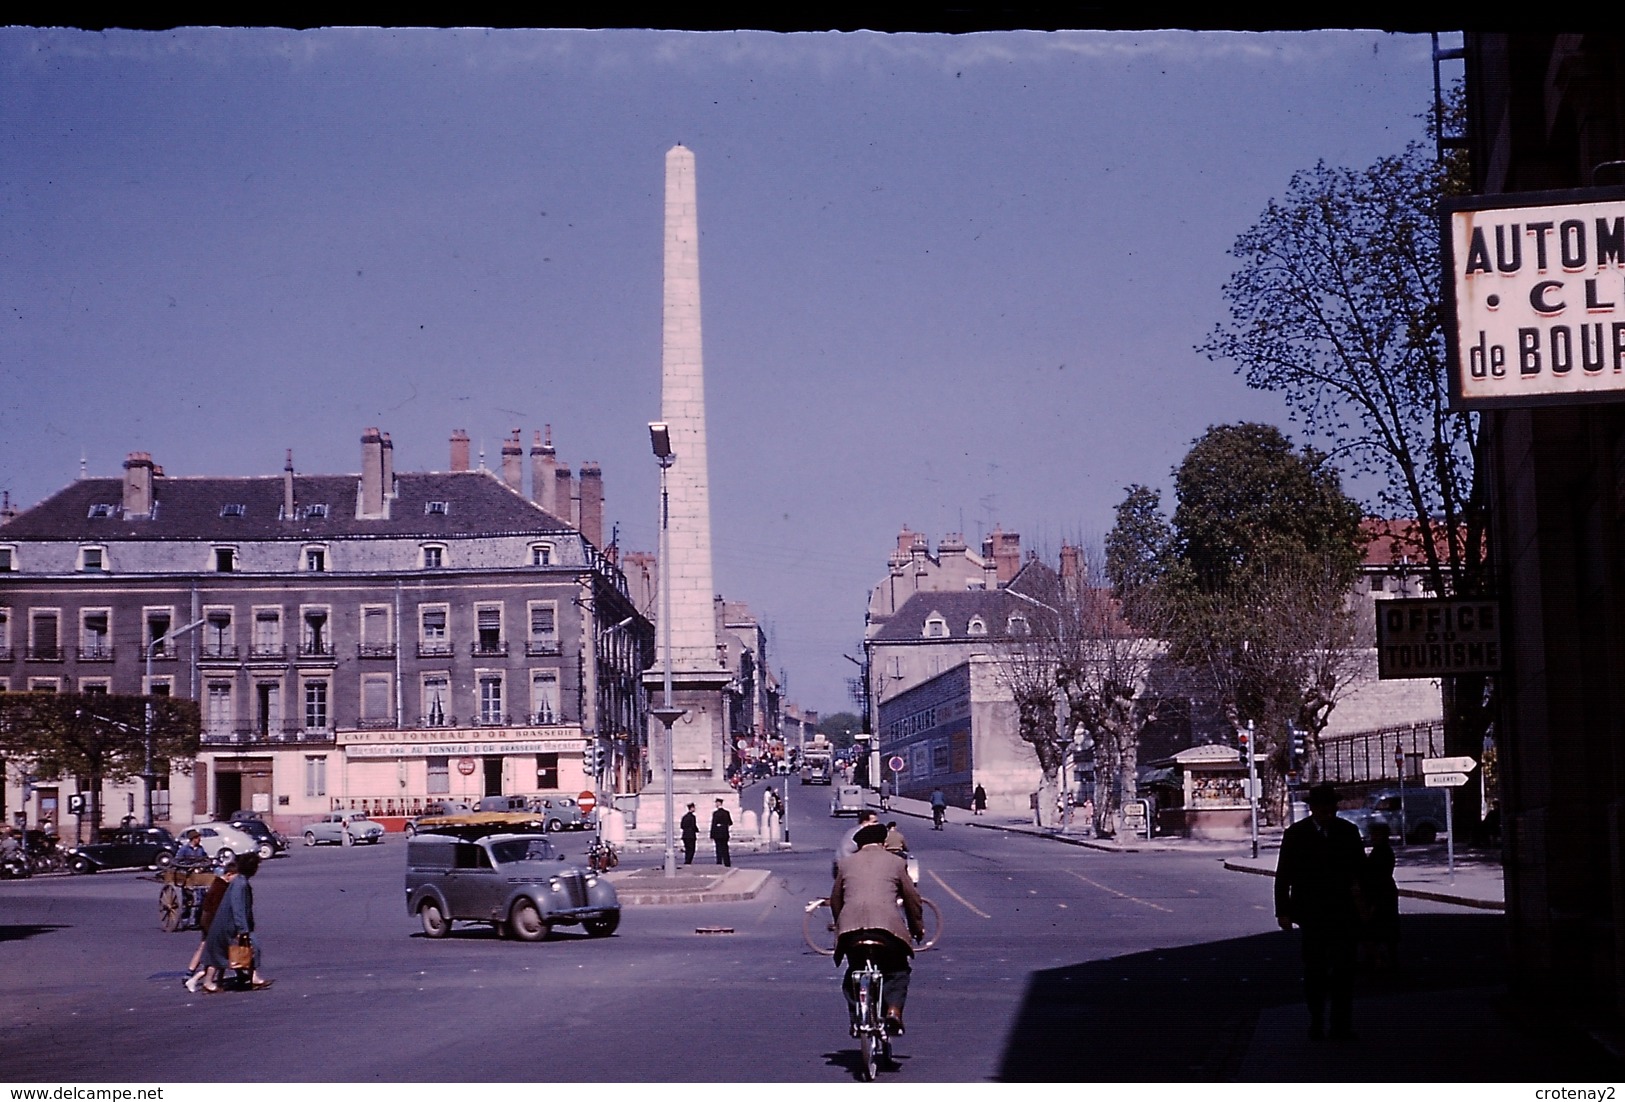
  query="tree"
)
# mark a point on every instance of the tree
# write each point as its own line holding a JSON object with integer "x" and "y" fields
{"x": 1251, "y": 590}
{"x": 1337, "y": 305}
{"x": 97, "y": 736}
{"x": 839, "y": 727}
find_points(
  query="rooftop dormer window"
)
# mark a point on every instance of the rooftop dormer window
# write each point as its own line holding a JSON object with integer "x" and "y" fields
{"x": 977, "y": 626}
{"x": 101, "y": 512}
{"x": 936, "y": 626}
{"x": 435, "y": 508}
{"x": 316, "y": 512}
{"x": 1018, "y": 625}
{"x": 233, "y": 510}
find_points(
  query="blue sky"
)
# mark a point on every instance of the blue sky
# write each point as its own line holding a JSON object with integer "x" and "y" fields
{"x": 948, "y": 281}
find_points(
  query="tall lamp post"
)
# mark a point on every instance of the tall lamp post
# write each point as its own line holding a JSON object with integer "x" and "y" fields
{"x": 163, "y": 640}
{"x": 660, "y": 440}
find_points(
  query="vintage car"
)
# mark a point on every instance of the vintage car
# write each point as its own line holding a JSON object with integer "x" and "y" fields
{"x": 268, "y": 843}
{"x": 124, "y": 848}
{"x": 849, "y": 799}
{"x": 332, "y": 827}
{"x": 477, "y": 824}
{"x": 515, "y": 882}
{"x": 222, "y": 841}
{"x": 561, "y": 813}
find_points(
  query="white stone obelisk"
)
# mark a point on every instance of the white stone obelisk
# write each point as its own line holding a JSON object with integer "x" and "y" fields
{"x": 699, "y": 738}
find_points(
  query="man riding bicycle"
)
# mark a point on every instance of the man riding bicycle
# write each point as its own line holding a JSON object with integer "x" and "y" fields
{"x": 868, "y": 885}
{"x": 191, "y": 857}
{"x": 939, "y": 808}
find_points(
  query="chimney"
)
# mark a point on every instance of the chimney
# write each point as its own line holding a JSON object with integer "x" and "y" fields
{"x": 592, "y": 503}
{"x": 990, "y": 567}
{"x": 563, "y": 495}
{"x": 513, "y": 472}
{"x": 538, "y": 474}
{"x": 952, "y": 544}
{"x": 371, "y": 504}
{"x": 389, "y": 466}
{"x": 1006, "y": 554}
{"x": 138, "y": 485}
{"x": 543, "y": 473}
{"x": 1071, "y": 574}
{"x": 459, "y": 450}
{"x": 287, "y": 487}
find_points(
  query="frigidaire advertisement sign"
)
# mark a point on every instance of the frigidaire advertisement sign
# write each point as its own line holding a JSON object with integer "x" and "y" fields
{"x": 1537, "y": 281}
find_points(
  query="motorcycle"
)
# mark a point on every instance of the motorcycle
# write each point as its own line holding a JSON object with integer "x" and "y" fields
{"x": 15, "y": 866}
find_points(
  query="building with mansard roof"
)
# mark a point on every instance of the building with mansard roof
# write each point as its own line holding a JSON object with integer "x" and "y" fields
{"x": 381, "y": 640}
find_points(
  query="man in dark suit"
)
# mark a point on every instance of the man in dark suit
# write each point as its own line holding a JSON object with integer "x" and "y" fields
{"x": 1317, "y": 887}
{"x": 721, "y": 821}
{"x": 691, "y": 832}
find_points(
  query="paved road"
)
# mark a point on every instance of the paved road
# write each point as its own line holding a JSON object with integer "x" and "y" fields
{"x": 1058, "y": 963}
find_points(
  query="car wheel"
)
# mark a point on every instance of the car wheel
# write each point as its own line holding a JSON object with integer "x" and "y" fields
{"x": 81, "y": 865}
{"x": 554, "y": 825}
{"x": 266, "y": 851}
{"x": 163, "y": 859}
{"x": 603, "y": 927}
{"x": 224, "y": 854}
{"x": 433, "y": 919}
{"x": 310, "y": 839}
{"x": 525, "y": 922}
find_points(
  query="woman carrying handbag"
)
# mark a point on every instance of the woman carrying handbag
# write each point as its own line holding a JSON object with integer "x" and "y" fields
{"x": 231, "y": 944}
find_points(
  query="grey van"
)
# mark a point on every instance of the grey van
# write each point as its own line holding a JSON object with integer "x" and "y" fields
{"x": 1423, "y": 820}
{"x": 515, "y": 882}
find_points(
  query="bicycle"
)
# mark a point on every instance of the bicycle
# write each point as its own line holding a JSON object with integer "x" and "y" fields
{"x": 939, "y": 815}
{"x": 601, "y": 856}
{"x": 818, "y": 925}
{"x": 868, "y": 1002}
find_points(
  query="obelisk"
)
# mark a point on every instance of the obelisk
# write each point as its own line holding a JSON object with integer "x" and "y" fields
{"x": 700, "y": 737}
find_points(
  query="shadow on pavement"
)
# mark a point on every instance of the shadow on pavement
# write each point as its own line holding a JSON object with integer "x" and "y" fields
{"x": 24, "y": 931}
{"x": 1232, "y": 1011}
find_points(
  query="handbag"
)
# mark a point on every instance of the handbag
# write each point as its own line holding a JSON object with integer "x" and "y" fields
{"x": 240, "y": 953}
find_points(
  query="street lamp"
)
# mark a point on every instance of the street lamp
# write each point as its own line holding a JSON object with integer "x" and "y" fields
{"x": 660, "y": 441}
{"x": 147, "y": 774}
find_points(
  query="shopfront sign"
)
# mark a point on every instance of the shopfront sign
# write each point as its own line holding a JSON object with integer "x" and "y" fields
{"x": 453, "y": 742}
{"x": 1436, "y": 637}
{"x": 1536, "y": 289}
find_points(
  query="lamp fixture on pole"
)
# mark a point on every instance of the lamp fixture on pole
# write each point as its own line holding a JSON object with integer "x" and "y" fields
{"x": 147, "y": 775}
{"x": 667, "y": 713}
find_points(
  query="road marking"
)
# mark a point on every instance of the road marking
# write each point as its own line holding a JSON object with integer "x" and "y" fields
{"x": 968, "y": 905}
{"x": 1121, "y": 895}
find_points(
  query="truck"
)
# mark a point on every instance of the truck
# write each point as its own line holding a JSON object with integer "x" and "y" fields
{"x": 817, "y": 762}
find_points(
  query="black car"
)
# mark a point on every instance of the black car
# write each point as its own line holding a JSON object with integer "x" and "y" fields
{"x": 269, "y": 843}
{"x": 124, "y": 848}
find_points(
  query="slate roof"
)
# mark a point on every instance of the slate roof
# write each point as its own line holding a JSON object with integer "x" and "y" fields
{"x": 477, "y": 504}
{"x": 907, "y": 624}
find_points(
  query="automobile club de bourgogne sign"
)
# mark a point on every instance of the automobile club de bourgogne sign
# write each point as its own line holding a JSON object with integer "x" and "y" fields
{"x": 1538, "y": 282}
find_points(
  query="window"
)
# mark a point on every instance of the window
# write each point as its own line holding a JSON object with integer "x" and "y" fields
{"x": 936, "y": 627}
{"x": 434, "y": 556}
{"x": 488, "y": 626}
{"x": 8, "y": 560}
{"x": 267, "y": 633}
{"x": 544, "y": 696}
{"x": 376, "y": 641}
{"x": 233, "y": 510}
{"x": 42, "y": 684}
{"x": 314, "y": 640}
{"x": 316, "y": 512}
{"x": 377, "y": 700}
{"x": 219, "y": 641}
{"x": 490, "y": 699}
{"x": 436, "y": 693}
{"x": 315, "y": 559}
{"x": 95, "y": 686}
{"x": 547, "y": 771}
{"x": 160, "y": 686}
{"x": 268, "y": 708}
{"x": 94, "y": 635}
{"x": 44, "y": 643}
{"x": 541, "y": 554}
{"x": 217, "y": 717}
{"x": 225, "y": 560}
{"x": 316, "y": 705}
{"x": 977, "y": 626}
{"x": 439, "y": 775}
{"x": 101, "y": 512}
{"x": 544, "y": 630}
{"x": 93, "y": 559}
{"x": 5, "y": 634}
{"x": 435, "y": 508}
{"x": 432, "y": 637}
{"x": 1018, "y": 625}
{"x": 316, "y": 776}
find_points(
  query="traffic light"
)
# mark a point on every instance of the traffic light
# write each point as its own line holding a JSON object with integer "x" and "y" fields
{"x": 590, "y": 760}
{"x": 1300, "y": 745}
{"x": 1241, "y": 742}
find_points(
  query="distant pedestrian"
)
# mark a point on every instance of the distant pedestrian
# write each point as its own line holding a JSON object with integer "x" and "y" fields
{"x": 978, "y": 801}
{"x": 885, "y": 794}
{"x": 1381, "y": 896}
{"x": 939, "y": 808}
{"x": 721, "y": 822}
{"x": 1317, "y": 887}
{"x": 691, "y": 833}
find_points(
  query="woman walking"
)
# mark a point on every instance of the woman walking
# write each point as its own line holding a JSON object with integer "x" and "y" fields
{"x": 234, "y": 923}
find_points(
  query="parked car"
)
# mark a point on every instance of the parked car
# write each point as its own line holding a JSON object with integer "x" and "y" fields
{"x": 515, "y": 882}
{"x": 561, "y": 813}
{"x": 124, "y": 848}
{"x": 1423, "y": 814}
{"x": 477, "y": 824}
{"x": 268, "y": 843}
{"x": 222, "y": 841}
{"x": 848, "y": 799}
{"x": 330, "y": 828}
{"x": 435, "y": 809}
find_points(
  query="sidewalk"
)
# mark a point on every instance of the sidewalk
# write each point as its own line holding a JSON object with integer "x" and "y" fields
{"x": 647, "y": 886}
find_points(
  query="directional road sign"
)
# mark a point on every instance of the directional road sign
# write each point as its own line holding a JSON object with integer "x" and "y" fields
{"x": 1444, "y": 780}
{"x": 1461, "y": 764}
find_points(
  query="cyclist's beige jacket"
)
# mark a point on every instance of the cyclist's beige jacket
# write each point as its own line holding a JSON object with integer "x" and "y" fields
{"x": 867, "y": 887}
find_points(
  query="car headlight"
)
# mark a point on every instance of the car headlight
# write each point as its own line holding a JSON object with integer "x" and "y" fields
{"x": 592, "y": 880}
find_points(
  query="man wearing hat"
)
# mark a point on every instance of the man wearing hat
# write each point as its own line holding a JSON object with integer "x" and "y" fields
{"x": 864, "y": 899}
{"x": 1317, "y": 887}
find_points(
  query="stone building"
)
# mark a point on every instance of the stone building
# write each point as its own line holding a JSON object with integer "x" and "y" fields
{"x": 376, "y": 640}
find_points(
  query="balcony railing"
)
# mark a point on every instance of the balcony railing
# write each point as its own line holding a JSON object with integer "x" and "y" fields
{"x": 488, "y": 648}
{"x": 268, "y": 652}
{"x": 219, "y": 652}
{"x": 375, "y": 650}
{"x": 543, "y": 648}
{"x": 492, "y": 720}
{"x": 376, "y": 722}
{"x": 437, "y": 720}
{"x": 435, "y": 648}
{"x": 96, "y": 654}
{"x": 275, "y": 736}
{"x": 49, "y": 653}
{"x": 316, "y": 648}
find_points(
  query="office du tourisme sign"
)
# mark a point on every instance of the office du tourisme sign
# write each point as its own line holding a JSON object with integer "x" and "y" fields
{"x": 1536, "y": 283}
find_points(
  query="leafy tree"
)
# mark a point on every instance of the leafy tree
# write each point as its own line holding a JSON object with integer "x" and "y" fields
{"x": 839, "y": 727}
{"x": 97, "y": 736}
{"x": 1337, "y": 305}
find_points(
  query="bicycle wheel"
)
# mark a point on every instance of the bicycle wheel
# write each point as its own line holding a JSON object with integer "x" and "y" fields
{"x": 869, "y": 1024}
{"x": 169, "y": 908}
{"x": 818, "y": 927}
{"x": 931, "y": 918}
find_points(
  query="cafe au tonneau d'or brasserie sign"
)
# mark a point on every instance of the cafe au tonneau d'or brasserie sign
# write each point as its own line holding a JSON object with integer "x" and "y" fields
{"x": 1539, "y": 298}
